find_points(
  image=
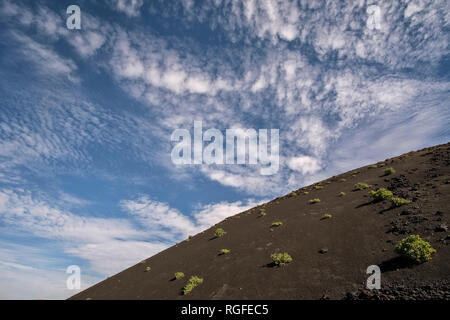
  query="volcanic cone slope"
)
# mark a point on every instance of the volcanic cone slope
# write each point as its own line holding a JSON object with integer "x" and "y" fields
{"x": 331, "y": 231}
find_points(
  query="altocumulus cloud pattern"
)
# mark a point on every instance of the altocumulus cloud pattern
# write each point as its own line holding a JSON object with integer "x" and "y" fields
{"x": 86, "y": 116}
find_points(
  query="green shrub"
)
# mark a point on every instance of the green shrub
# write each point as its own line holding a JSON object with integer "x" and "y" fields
{"x": 292, "y": 194}
{"x": 219, "y": 233}
{"x": 318, "y": 187}
{"x": 148, "y": 269}
{"x": 326, "y": 216}
{"x": 414, "y": 248}
{"x": 314, "y": 200}
{"x": 179, "y": 275}
{"x": 381, "y": 194}
{"x": 193, "y": 282}
{"x": 361, "y": 186}
{"x": 143, "y": 261}
{"x": 397, "y": 202}
{"x": 277, "y": 224}
{"x": 280, "y": 259}
{"x": 342, "y": 180}
{"x": 382, "y": 164}
{"x": 224, "y": 251}
{"x": 342, "y": 194}
{"x": 305, "y": 192}
{"x": 389, "y": 171}
{"x": 372, "y": 166}
{"x": 262, "y": 213}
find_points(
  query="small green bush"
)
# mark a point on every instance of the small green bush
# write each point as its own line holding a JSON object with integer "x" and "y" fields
{"x": 179, "y": 275}
{"x": 262, "y": 213}
{"x": 342, "y": 194}
{"x": 143, "y": 261}
{"x": 314, "y": 200}
{"x": 318, "y": 187}
{"x": 148, "y": 269}
{"x": 372, "y": 166}
{"x": 224, "y": 251}
{"x": 389, "y": 171}
{"x": 381, "y": 194}
{"x": 342, "y": 180}
{"x": 382, "y": 165}
{"x": 414, "y": 248}
{"x": 397, "y": 202}
{"x": 326, "y": 216}
{"x": 219, "y": 233}
{"x": 281, "y": 259}
{"x": 193, "y": 282}
{"x": 306, "y": 192}
{"x": 292, "y": 194}
{"x": 277, "y": 224}
{"x": 361, "y": 186}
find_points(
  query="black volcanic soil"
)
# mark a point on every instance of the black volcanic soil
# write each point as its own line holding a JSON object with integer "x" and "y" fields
{"x": 360, "y": 233}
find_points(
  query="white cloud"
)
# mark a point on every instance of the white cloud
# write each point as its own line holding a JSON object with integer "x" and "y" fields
{"x": 413, "y": 7}
{"x": 304, "y": 164}
{"x": 52, "y": 26}
{"x": 89, "y": 43}
{"x": 68, "y": 199}
{"x": 130, "y": 7}
{"x": 126, "y": 61}
{"x": 159, "y": 216}
{"x": 259, "y": 85}
{"x": 22, "y": 14}
{"x": 275, "y": 85}
{"x": 25, "y": 274}
{"x": 245, "y": 178}
{"x": 108, "y": 244}
{"x": 50, "y": 23}
{"x": 24, "y": 211}
{"x": 211, "y": 214}
{"x": 197, "y": 84}
{"x": 110, "y": 257}
{"x": 45, "y": 58}
{"x": 331, "y": 26}
{"x": 312, "y": 133}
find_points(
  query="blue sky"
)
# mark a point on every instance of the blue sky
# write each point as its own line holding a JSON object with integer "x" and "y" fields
{"x": 86, "y": 116}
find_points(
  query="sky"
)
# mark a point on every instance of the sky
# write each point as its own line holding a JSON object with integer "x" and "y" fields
{"x": 86, "y": 116}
